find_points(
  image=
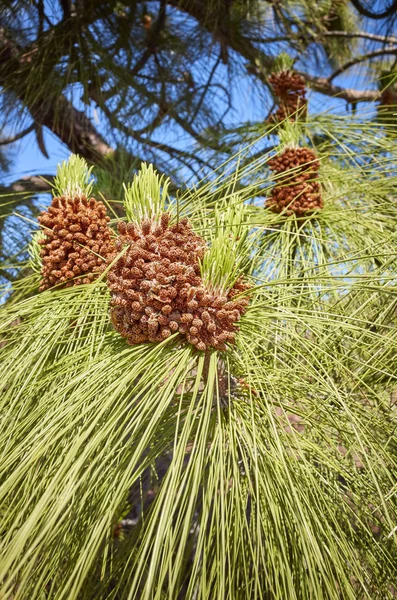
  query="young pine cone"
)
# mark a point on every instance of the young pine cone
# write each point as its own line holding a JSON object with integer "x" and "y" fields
{"x": 157, "y": 289}
{"x": 151, "y": 281}
{"x": 213, "y": 317}
{"x": 297, "y": 190}
{"x": 77, "y": 240}
{"x": 290, "y": 90}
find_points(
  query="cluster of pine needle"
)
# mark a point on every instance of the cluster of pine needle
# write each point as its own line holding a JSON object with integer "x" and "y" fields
{"x": 219, "y": 421}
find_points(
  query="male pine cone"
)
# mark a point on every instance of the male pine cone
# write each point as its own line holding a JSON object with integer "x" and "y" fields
{"x": 157, "y": 289}
{"x": 77, "y": 240}
{"x": 149, "y": 282}
{"x": 297, "y": 190}
{"x": 290, "y": 90}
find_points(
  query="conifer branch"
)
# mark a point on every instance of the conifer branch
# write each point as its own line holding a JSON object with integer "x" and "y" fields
{"x": 35, "y": 184}
{"x": 261, "y": 64}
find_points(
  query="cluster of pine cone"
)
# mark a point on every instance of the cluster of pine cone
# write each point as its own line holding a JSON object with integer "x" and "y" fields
{"x": 157, "y": 289}
{"x": 290, "y": 89}
{"x": 156, "y": 285}
{"x": 297, "y": 189}
{"x": 77, "y": 240}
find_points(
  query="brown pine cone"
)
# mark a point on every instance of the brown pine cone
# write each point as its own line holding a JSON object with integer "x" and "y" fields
{"x": 157, "y": 289}
{"x": 300, "y": 160}
{"x": 151, "y": 282}
{"x": 290, "y": 90}
{"x": 297, "y": 190}
{"x": 76, "y": 243}
{"x": 215, "y": 316}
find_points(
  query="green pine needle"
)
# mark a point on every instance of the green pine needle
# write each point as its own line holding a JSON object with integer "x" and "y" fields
{"x": 73, "y": 178}
{"x": 267, "y": 471}
{"x": 146, "y": 197}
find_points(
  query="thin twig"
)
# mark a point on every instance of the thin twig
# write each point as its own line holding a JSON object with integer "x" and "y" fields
{"x": 17, "y": 136}
{"x": 360, "y": 59}
{"x": 207, "y": 358}
{"x": 386, "y": 39}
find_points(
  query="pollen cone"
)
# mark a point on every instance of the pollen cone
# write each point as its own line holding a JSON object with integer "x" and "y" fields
{"x": 210, "y": 320}
{"x": 297, "y": 190}
{"x": 290, "y": 90}
{"x": 157, "y": 289}
{"x": 151, "y": 280}
{"x": 76, "y": 242}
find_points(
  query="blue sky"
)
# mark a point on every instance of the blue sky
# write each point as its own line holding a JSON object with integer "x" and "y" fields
{"x": 29, "y": 159}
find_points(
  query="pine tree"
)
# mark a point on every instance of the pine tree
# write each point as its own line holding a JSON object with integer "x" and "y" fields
{"x": 111, "y": 77}
{"x": 198, "y": 378}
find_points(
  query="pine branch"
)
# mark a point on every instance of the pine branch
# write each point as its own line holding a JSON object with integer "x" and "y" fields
{"x": 261, "y": 64}
{"x": 172, "y": 151}
{"x": 355, "y": 61}
{"x": 310, "y": 35}
{"x": 66, "y": 8}
{"x": 385, "y": 39}
{"x": 324, "y": 86}
{"x": 35, "y": 184}
{"x": 58, "y": 114}
{"x": 17, "y": 136}
{"x": 73, "y": 128}
{"x": 151, "y": 40}
{"x": 169, "y": 110}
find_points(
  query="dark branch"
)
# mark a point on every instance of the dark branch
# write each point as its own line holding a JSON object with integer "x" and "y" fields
{"x": 151, "y": 40}
{"x": 206, "y": 87}
{"x": 66, "y": 8}
{"x": 17, "y": 136}
{"x": 40, "y": 140}
{"x": 74, "y": 128}
{"x": 355, "y": 61}
{"x": 41, "y": 15}
{"x": 371, "y": 15}
{"x": 172, "y": 151}
{"x": 33, "y": 184}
